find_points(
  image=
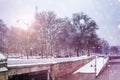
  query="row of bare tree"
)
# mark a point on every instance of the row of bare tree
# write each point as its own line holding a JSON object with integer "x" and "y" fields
{"x": 50, "y": 35}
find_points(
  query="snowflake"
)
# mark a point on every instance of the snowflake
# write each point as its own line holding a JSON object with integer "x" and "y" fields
{"x": 111, "y": 38}
{"x": 82, "y": 21}
{"x": 111, "y": 4}
{"x": 119, "y": 26}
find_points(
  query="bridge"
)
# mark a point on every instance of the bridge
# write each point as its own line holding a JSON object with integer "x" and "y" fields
{"x": 54, "y": 68}
{"x": 114, "y": 57}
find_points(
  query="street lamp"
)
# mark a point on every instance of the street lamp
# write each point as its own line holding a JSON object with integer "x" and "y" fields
{"x": 99, "y": 50}
{"x": 95, "y": 62}
{"x": 31, "y": 50}
{"x": 108, "y": 70}
{"x": 95, "y": 67}
{"x": 93, "y": 49}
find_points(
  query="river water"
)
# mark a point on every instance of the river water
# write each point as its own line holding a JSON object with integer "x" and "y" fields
{"x": 77, "y": 76}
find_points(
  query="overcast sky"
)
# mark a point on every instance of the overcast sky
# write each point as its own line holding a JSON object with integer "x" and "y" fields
{"x": 106, "y": 13}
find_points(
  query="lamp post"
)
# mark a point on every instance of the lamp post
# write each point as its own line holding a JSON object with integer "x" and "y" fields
{"x": 95, "y": 62}
{"x": 98, "y": 50}
{"x": 95, "y": 67}
{"x": 31, "y": 51}
{"x": 108, "y": 71}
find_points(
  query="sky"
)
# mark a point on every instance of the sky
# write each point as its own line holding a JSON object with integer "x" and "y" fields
{"x": 106, "y": 13}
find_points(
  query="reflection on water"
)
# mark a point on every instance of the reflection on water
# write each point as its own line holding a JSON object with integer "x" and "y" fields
{"x": 73, "y": 77}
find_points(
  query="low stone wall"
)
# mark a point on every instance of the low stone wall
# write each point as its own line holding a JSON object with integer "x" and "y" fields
{"x": 86, "y": 76}
{"x": 3, "y": 76}
{"x": 28, "y": 69}
{"x": 64, "y": 68}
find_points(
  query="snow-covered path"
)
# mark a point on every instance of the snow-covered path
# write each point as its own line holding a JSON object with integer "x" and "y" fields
{"x": 90, "y": 67}
{"x": 26, "y": 62}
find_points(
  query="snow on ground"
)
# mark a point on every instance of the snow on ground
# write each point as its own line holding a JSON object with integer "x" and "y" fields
{"x": 2, "y": 56}
{"x": 12, "y": 62}
{"x": 3, "y": 69}
{"x": 90, "y": 67}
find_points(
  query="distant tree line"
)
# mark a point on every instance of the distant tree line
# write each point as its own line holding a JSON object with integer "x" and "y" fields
{"x": 50, "y": 35}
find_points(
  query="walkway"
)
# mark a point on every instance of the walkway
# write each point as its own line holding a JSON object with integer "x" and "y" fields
{"x": 112, "y": 72}
{"x": 90, "y": 67}
{"x": 27, "y": 62}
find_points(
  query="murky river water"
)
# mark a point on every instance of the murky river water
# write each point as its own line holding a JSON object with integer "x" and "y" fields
{"x": 72, "y": 77}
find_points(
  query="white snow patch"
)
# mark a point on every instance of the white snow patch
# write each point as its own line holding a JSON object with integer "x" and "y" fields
{"x": 3, "y": 69}
{"x": 82, "y": 21}
{"x": 119, "y": 24}
{"x": 2, "y": 56}
{"x": 90, "y": 67}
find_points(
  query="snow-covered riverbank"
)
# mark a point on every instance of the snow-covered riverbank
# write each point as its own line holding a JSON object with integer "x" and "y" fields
{"x": 90, "y": 67}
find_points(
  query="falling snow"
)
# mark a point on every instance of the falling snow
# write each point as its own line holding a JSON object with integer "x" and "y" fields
{"x": 119, "y": 26}
{"x": 119, "y": 0}
{"x": 106, "y": 13}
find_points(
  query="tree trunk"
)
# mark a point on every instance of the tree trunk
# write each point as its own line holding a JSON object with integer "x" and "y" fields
{"x": 77, "y": 52}
{"x": 88, "y": 51}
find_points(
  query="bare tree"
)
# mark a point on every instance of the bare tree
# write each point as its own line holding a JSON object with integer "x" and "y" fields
{"x": 114, "y": 49}
{"x": 47, "y": 27}
{"x": 3, "y": 31}
{"x": 84, "y": 27}
{"x": 104, "y": 46}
